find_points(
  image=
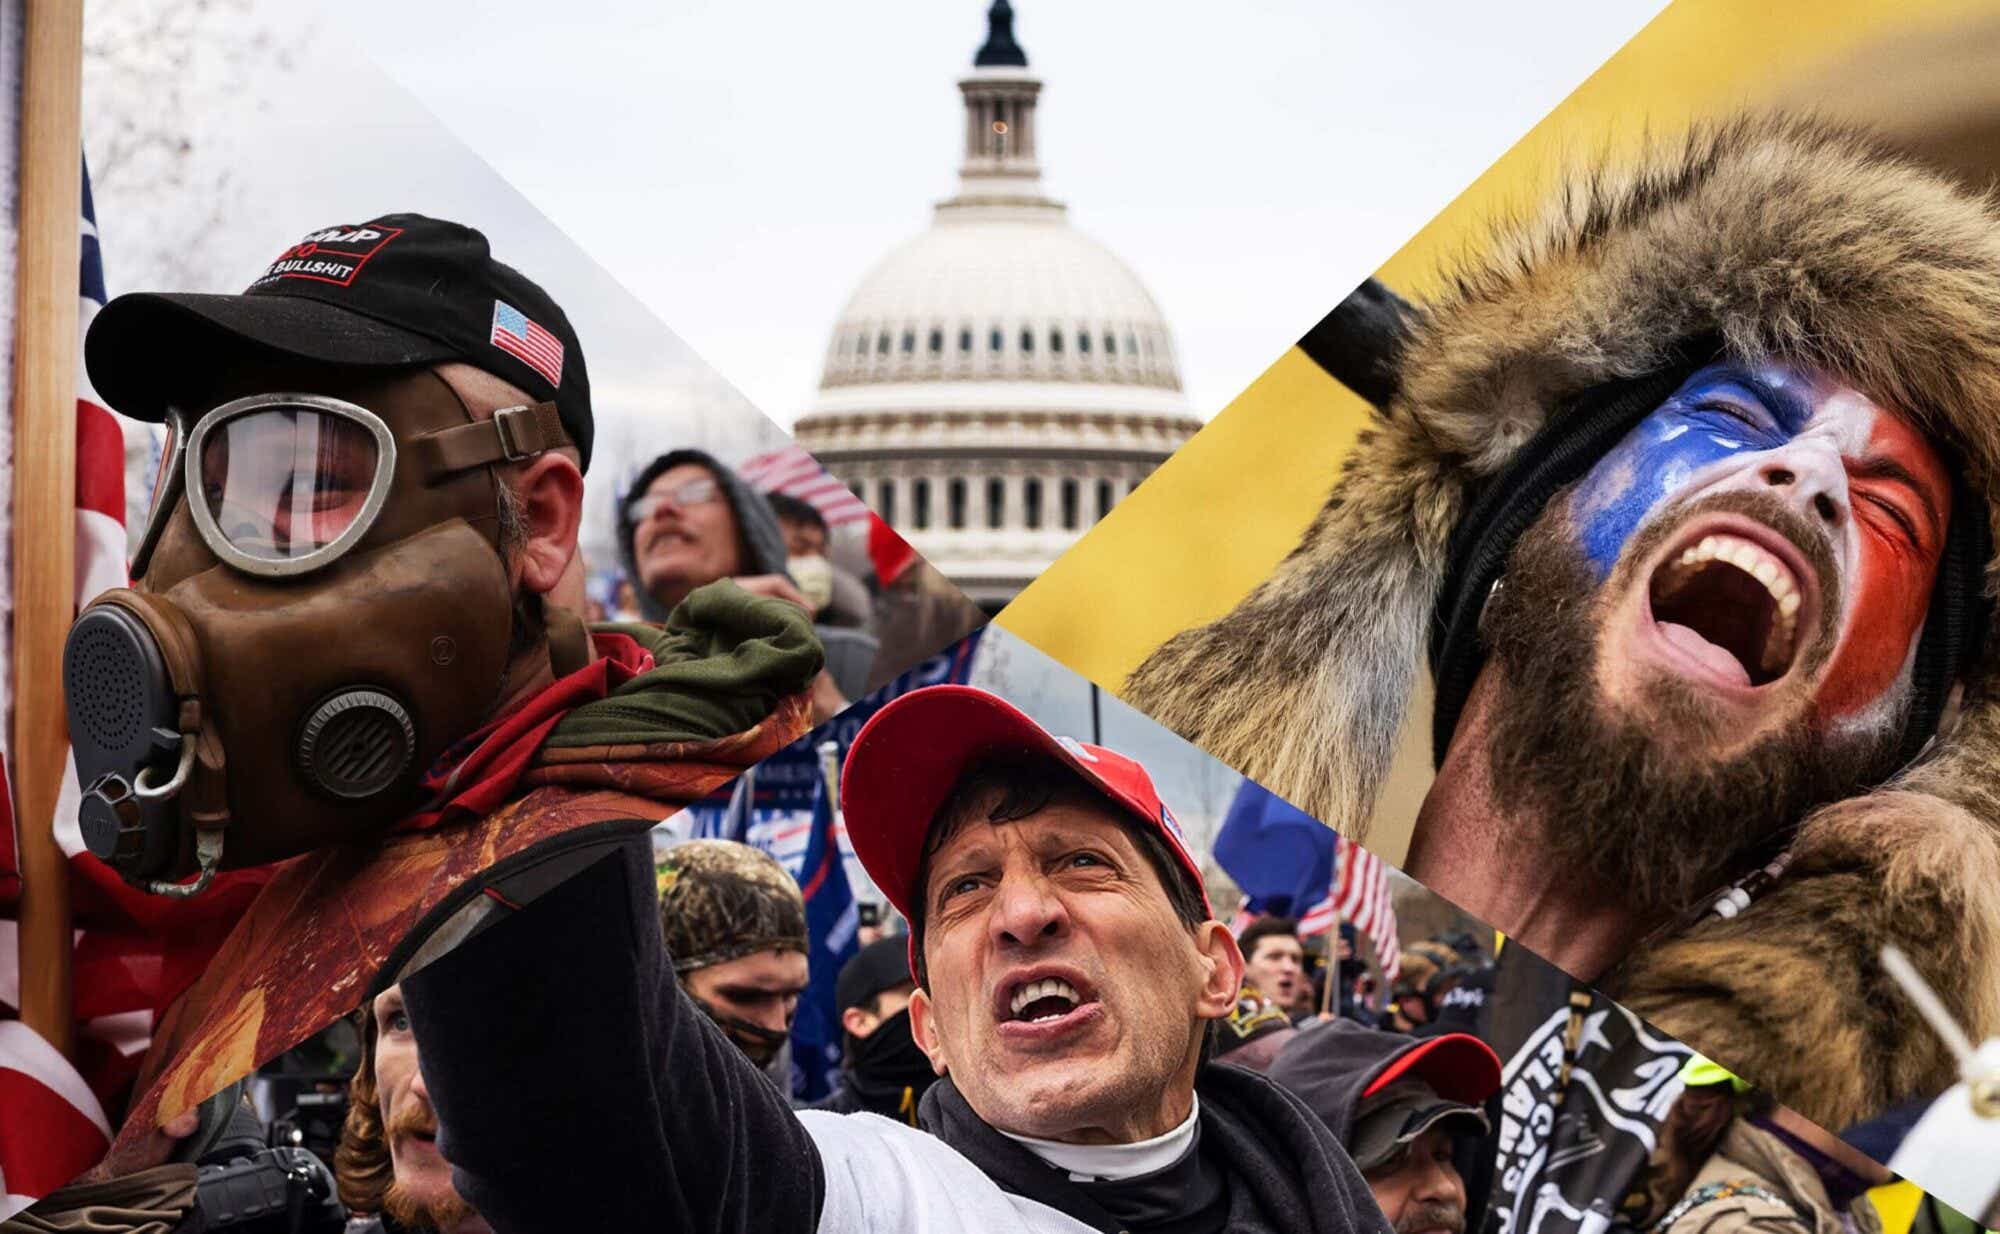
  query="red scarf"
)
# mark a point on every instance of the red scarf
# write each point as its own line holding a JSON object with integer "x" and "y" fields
{"x": 476, "y": 776}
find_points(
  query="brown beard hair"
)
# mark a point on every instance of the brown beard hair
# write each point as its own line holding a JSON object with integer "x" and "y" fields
{"x": 1632, "y": 800}
{"x": 1430, "y": 1215}
{"x": 364, "y": 1172}
{"x": 442, "y": 1213}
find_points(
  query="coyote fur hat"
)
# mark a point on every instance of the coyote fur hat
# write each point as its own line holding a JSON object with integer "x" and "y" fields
{"x": 1765, "y": 237}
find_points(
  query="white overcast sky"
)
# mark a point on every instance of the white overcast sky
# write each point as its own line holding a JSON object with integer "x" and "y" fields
{"x": 739, "y": 166}
{"x": 734, "y": 169}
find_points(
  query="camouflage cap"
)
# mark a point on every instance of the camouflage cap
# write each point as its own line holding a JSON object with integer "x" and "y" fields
{"x": 720, "y": 900}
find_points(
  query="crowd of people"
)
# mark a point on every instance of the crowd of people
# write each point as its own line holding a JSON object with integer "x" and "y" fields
{"x": 689, "y": 519}
{"x": 388, "y": 432}
{"x": 1408, "y": 1091}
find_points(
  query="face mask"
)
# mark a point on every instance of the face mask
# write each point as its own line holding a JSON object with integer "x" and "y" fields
{"x": 760, "y": 1044}
{"x": 319, "y": 609}
{"x": 890, "y": 1053}
{"x": 814, "y": 575}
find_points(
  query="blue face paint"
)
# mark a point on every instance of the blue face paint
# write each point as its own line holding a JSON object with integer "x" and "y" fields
{"x": 1723, "y": 411}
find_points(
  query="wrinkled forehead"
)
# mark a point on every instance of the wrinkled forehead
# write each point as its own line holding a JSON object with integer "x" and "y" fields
{"x": 1067, "y": 819}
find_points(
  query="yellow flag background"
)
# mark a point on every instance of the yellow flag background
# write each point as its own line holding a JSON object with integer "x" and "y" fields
{"x": 1219, "y": 515}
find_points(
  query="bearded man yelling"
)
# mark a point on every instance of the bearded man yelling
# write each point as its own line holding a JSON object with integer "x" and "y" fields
{"x": 1684, "y": 487}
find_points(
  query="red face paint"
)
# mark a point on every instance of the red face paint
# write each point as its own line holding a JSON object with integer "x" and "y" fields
{"x": 1890, "y": 588}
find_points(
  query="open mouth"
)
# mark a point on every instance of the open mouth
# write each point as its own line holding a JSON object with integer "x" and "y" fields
{"x": 1732, "y": 605}
{"x": 1036, "y": 1002}
{"x": 1045, "y": 1007}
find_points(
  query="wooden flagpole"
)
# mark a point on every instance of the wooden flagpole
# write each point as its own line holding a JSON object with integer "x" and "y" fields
{"x": 45, "y": 367}
{"x": 1332, "y": 960}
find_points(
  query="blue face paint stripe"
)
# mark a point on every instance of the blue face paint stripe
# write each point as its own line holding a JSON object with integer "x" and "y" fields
{"x": 1660, "y": 456}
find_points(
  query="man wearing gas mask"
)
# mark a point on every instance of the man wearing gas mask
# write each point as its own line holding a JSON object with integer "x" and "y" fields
{"x": 342, "y": 643}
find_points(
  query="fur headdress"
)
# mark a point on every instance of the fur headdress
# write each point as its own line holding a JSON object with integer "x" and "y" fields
{"x": 1773, "y": 237}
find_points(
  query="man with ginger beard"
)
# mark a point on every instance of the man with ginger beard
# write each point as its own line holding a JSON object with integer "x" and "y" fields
{"x": 388, "y": 1163}
{"x": 1067, "y": 972}
{"x": 1686, "y": 493}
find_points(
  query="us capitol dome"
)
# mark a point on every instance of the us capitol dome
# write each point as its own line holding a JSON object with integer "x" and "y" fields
{"x": 998, "y": 382}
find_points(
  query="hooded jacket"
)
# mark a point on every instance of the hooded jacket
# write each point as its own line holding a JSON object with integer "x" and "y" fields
{"x": 762, "y": 538}
{"x": 1774, "y": 238}
{"x": 1330, "y": 1067}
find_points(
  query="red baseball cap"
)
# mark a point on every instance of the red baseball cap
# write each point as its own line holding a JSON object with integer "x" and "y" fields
{"x": 1458, "y": 1067}
{"x": 908, "y": 756}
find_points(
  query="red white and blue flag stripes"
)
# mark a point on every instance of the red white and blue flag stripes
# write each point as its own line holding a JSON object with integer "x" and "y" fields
{"x": 795, "y": 473}
{"x": 52, "y": 1125}
{"x": 1359, "y": 895}
{"x": 527, "y": 341}
{"x": 133, "y": 953}
{"x": 1291, "y": 864}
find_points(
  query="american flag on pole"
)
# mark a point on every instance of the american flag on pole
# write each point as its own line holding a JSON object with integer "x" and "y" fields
{"x": 795, "y": 473}
{"x": 1360, "y": 895}
{"x": 526, "y": 341}
{"x": 134, "y": 953}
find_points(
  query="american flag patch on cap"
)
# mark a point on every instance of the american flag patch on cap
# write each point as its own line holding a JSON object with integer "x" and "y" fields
{"x": 527, "y": 342}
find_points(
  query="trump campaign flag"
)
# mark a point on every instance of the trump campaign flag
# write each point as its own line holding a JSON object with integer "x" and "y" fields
{"x": 832, "y": 920}
{"x": 1278, "y": 854}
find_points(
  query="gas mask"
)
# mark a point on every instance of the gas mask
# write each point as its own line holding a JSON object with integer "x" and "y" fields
{"x": 319, "y": 609}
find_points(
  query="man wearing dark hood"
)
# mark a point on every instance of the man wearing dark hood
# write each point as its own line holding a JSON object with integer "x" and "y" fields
{"x": 1409, "y": 1112}
{"x": 885, "y": 1073}
{"x": 689, "y": 521}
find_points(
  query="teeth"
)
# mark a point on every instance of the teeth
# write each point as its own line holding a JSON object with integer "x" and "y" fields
{"x": 1047, "y": 987}
{"x": 1767, "y": 569}
{"x": 1752, "y": 560}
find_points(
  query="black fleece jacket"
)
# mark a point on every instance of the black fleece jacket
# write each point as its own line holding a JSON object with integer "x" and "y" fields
{"x": 577, "y": 1087}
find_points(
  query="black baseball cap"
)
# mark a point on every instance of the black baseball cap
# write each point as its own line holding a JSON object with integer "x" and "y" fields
{"x": 1391, "y": 1120}
{"x": 395, "y": 291}
{"x": 1347, "y": 1074}
{"x": 881, "y": 965}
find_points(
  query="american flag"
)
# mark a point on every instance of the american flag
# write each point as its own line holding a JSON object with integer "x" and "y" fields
{"x": 1360, "y": 894}
{"x": 795, "y": 473}
{"x": 54, "y": 1125}
{"x": 134, "y": 953}
{"x": 527, "y": 342}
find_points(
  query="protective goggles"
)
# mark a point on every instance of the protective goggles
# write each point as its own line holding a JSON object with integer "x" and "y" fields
{"x": 277, "y": 484}
{"x": 283, "y": 484}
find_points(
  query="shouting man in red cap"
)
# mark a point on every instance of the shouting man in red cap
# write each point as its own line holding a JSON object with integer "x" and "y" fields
{"x": 1067, "y": 968}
